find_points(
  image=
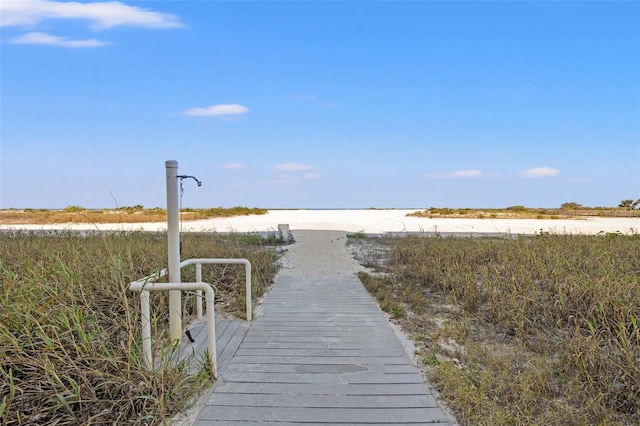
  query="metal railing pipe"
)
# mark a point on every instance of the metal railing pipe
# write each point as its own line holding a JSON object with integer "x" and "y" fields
{"x": 244, "y": 262}
{"x": 146, "y": 287}
{"x": 145, "y": 322}
{"x": 199, "y": 292}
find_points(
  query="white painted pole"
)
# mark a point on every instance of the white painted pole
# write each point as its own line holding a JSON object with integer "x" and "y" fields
{"x": 247, "y": 278}
{"x": 145, "y": 315}
{"x": 173, "y": 240}
{"x": 199, "y": 292}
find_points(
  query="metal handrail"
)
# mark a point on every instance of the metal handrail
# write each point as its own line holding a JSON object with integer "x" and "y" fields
{"x": 200, "y": 262}
{"x": 146, "y": 284}
{"x": 145, "y": 288}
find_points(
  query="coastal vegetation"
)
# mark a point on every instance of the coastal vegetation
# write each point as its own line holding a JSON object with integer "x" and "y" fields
{"x": 531, "y": 330}
{"x": 129, "y": 214}
{"x": 569, "y": 210}
{"x": 70, "y": 328}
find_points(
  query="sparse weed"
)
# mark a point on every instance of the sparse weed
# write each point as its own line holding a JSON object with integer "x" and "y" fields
{"x": 431, "y": 360}
{"x": 357, "y": 235}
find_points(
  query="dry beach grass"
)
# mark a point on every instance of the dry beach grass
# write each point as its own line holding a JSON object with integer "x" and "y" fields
{"x": 121, "y": 215}
{"x": 522, "y": 330}
{"x": 70, "y": 329}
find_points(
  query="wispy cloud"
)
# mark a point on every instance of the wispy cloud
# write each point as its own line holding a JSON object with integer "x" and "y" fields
{"x": 539, "y": 172}
{"x": 51, "y": 40}
{"x": 101, "y": 15}
{"x": 293, "y": 167}
{"x": 293, "y": 173}
{"x": 281, "y": 181}
{"x": 312, "y": 176}
{"x": 217, "y": 110}
{"x": 456, "y": 174}
{"x": 235, "y": 166}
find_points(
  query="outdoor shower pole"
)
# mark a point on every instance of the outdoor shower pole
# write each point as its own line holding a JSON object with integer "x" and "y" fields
{"x": 173, "y": 240}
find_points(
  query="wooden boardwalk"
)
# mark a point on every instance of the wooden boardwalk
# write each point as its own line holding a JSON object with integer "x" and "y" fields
{"x": 320, "y": 351}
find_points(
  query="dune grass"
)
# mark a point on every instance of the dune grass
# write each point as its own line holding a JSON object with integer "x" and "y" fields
{"x": 134, "y": 214}
{"x": 523, "y": 330}
{"x": 521, "y": 212}
{"x": 70, "y": 328}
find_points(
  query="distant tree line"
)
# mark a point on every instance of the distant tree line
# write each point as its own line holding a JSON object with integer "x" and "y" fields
{"x": 629, "y": 204}
{"x": 624, "y": 204}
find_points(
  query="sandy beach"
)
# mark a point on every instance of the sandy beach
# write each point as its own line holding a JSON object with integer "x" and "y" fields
{"x": 371, "y": 222}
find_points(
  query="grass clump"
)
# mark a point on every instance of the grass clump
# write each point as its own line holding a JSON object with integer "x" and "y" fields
{"x": 70, "y": 328}
{"x": 527, "y": 330}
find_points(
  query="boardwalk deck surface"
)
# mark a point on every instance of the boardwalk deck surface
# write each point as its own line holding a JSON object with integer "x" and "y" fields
{"x": 320, "y": 351}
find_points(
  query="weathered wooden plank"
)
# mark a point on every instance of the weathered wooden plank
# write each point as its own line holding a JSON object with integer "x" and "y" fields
{"x": 279, "y": 423}
{"x": 368, "y": 352}
{"x": 324, "y": 401}
{"x": 306, "y": 338}
{"x": 254, "y": 333}
{"x": 350, "y": 321}
{"x": 327, "y": 415}
{"x": 321, "y": 368}
{"x": 329, "y": 328}
{"x": 285, "y": 423}
{"x": 322, "y": 388}
{"x": 298, "y": 360}
{"x": 345, "y": 344}
{"x": 308, "y": 378}
{"x": 225, "y": 355}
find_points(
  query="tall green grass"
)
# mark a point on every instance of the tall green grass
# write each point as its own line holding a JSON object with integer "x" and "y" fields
{"x": 532, "y": 330}
{"x": 70, "y": 328}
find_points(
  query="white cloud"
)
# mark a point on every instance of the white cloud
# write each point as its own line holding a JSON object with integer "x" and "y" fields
{"x": 101, "y": 14}
{"x": 217, "y": 110}
{"x": 466, "y": 173}
{"x": 312, "y": 176}
{"x": 281, "y": 181}
{"x": 235, "y": 166}
{"x": 47, "y": 39}
{"x": 539, "y": 172}
{"x": 456, "y": 174}
{"x": 293, "y": 167}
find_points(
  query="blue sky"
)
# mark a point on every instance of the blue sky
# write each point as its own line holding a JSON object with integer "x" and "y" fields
{"x": 329, "y": 104}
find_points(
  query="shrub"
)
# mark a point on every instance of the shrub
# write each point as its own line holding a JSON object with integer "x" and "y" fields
{"x": 73, "y": 209}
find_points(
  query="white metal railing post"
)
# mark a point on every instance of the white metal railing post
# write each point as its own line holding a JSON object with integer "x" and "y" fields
{"x": 145, "y": 287}
{"x": 199, "y": 292}
{"x": 148, "y": 284}
{"x": 247, "y": 269}
{"x": 173, "y": 245}
{"x": 145, "y": 320}
{"x": 211, "y": 329}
